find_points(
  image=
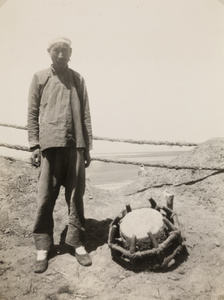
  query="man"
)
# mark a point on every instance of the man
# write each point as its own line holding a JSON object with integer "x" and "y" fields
{"x": 60, "y": 136}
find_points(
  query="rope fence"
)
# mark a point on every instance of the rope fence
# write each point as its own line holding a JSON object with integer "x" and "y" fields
{"x": 157, "y": 165}
{"x": 13, "y": 126}
{"x": 131, "y": 141}
{"x": 106, "y": 160}
{"x": 144, "y": 142}
{"x": 15, "y": 147}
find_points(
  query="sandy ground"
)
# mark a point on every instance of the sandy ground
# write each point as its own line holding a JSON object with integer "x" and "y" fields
{"x": 198, "y": 201}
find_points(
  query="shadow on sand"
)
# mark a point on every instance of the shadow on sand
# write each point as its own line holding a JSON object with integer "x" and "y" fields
{"x": 96, "y": 235}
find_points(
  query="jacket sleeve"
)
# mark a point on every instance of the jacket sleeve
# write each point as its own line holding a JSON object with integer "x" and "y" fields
{"x": 33, "y": 113}
{"x": 86, "y": 117}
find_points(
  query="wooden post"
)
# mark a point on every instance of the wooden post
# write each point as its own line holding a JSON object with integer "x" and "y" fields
{"x": 170, "y": 226}
{"x": 153, "y": 240}
{"x": 153, "y": 203}
{"x": 112, "y": 234}
{"x": 128, "y": 208}
{"x": 169, "y": 200}
{"x": 133, "y": 244}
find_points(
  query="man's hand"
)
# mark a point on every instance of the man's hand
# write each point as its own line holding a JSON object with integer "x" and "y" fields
{"x": 35, "y": 158}
{"x": 87, "y": 158}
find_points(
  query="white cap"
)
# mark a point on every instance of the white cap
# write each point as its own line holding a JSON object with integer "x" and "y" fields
{"x": 60, "y": 40}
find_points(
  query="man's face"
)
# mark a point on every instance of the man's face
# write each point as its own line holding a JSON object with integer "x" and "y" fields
{"x": 60, "y": 54}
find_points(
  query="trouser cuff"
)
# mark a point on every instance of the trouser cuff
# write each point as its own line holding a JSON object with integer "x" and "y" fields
{"x": 43, "y": 241}
{"x": 75, "y": 237}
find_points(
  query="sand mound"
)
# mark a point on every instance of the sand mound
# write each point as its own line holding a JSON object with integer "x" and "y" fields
{"x": 208, "y": 154}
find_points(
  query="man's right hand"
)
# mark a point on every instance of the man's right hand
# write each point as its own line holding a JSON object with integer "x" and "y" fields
{"x": 35, "y": 158}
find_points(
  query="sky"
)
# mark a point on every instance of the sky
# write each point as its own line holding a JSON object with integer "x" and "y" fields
{"x": 154, "y": 69}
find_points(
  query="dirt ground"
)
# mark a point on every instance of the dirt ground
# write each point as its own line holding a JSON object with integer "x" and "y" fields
{"x": 198, "y": 202}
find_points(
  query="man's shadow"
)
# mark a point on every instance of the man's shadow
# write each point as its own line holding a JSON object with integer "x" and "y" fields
{"x": 96, "y": 235}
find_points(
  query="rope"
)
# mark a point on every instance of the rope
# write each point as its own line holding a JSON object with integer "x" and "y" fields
{"x": 13, "y": 126}
{"x": 144, "y": 142}
{"x": 139, "y": 142}
{"x": 16, "y": 159}
{"x": 157, "y": 165}
{"x": 127, "y": 162}
{"x": 16, "y": 147}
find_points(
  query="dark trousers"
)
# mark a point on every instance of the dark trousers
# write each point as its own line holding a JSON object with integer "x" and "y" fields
{"x": 60, "y": 166}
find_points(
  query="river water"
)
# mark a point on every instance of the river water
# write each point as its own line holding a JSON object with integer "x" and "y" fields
{"x": 112, "y": 175}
